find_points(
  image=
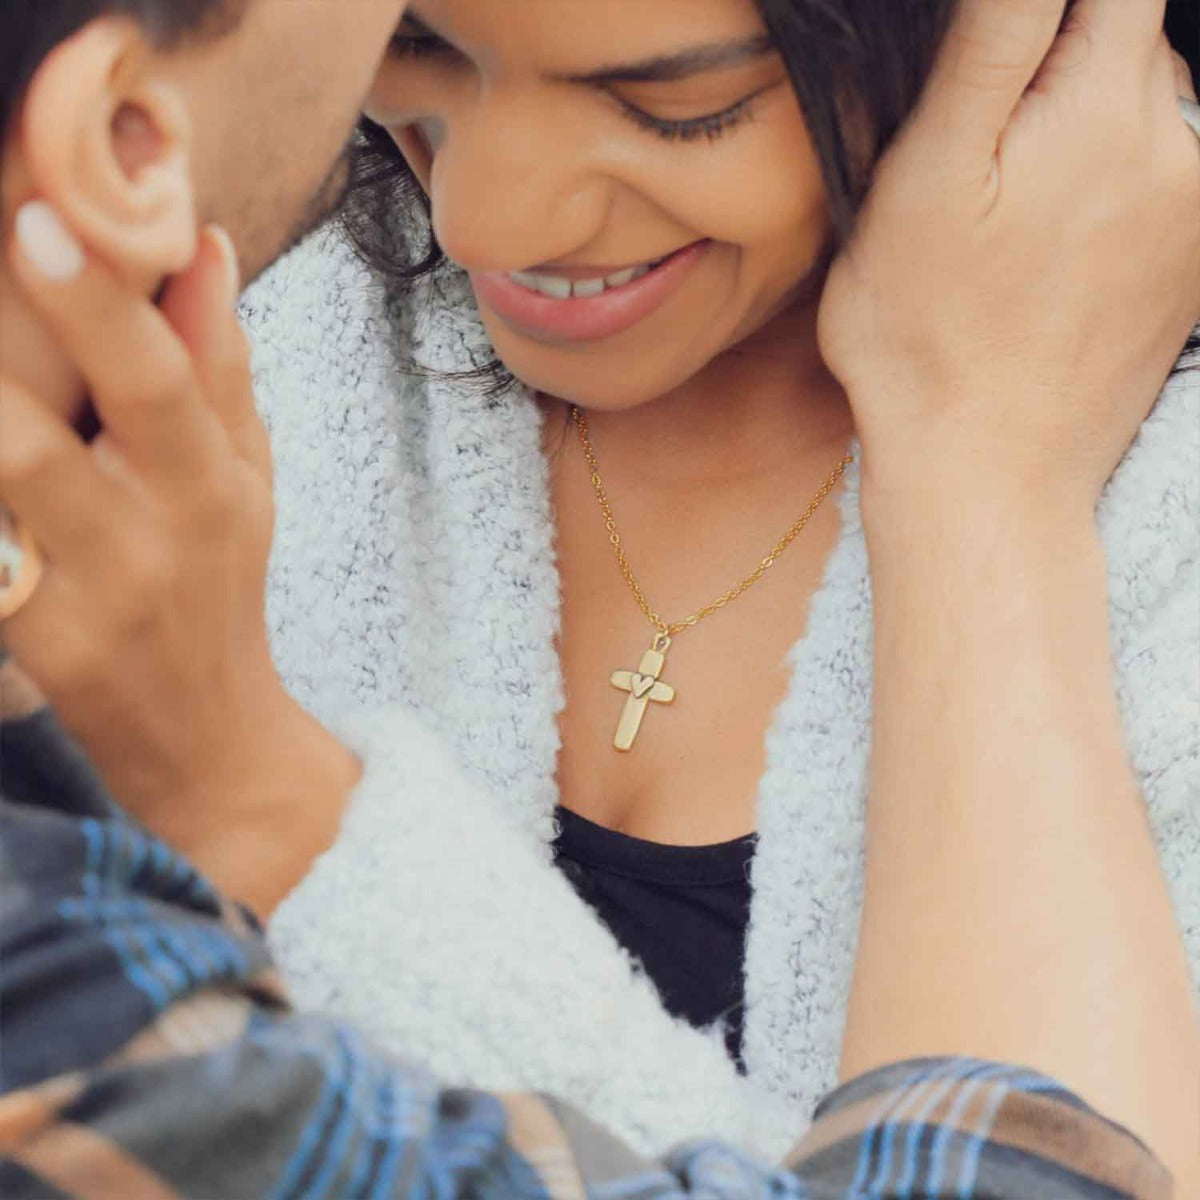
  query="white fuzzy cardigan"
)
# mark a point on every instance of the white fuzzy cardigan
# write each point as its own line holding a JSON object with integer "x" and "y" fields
{"x": 415, "y": 588}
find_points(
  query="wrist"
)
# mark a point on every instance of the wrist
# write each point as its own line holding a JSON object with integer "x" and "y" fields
{"x": 978, "y": 584}
{"x": 275, "y": 807}
{"x": 298, "y": 762}
{"x": 946, "y": 512}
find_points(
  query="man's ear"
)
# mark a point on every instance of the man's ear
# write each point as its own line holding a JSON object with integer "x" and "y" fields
{"x": 106, "y": 140}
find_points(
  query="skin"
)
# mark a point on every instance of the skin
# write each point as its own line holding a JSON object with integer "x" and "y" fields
{"x": 1080, "y": 972}
{"x": 587, "y": 187}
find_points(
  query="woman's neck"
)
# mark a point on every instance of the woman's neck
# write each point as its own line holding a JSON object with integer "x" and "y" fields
{"x": 751, "y": 414}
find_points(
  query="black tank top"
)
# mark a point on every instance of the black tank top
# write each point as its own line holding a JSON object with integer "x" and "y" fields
{"x": 682, "y": 911}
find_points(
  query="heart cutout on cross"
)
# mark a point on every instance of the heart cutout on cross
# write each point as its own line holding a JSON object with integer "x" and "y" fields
{"x": 639, "y": 685}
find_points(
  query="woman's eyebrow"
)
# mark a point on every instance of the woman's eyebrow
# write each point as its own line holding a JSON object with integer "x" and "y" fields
{"x": 667, "y": 68}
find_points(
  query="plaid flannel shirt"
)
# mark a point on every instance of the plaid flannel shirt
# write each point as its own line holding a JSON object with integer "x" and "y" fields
{"x": 148, "y": 1050}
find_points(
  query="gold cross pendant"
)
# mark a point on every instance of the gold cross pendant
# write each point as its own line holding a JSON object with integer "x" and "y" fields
{"x": 643, "y": 686}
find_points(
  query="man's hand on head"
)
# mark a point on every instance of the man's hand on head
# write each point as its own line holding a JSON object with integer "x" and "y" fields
{"x": 147, "y": 629}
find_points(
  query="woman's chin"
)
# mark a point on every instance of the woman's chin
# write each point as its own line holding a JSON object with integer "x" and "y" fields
{"x": 622, "y": 392}
{"x": 603, "y": 380}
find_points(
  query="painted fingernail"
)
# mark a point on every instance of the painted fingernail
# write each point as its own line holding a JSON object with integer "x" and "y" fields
{"x": 233, "y": 274}
{"x": 47, "y": 243}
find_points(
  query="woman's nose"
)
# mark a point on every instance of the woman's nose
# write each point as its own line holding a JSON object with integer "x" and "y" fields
{"x": 510, "y": 190}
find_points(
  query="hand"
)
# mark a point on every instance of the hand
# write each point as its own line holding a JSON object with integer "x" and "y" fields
{"x": 147, "y": 630}
{"x": 1027, "y": 264}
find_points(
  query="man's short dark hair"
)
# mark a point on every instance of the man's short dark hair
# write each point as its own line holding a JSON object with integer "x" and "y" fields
{"x": 31, "y": 29}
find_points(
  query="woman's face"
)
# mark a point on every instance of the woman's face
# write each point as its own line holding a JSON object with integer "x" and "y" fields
{"x": 569, "y": 144}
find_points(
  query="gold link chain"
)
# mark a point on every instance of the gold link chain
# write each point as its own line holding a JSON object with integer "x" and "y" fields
{"x": 669, "y": 629}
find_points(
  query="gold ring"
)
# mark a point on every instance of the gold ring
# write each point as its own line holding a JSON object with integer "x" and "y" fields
{"x": 20, "y": 565}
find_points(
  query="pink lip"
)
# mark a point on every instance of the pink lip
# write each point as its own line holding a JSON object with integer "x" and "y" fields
{"x": 589, "y": 318}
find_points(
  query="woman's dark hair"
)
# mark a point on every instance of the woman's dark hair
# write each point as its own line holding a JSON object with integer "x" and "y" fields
{"x": 848, "y": 60}
{"x": 31, "y": 29}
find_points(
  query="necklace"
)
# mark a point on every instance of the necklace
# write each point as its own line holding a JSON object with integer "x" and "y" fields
{"x": 645, "y": 685}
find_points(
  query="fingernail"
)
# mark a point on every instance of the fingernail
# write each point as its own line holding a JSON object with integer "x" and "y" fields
{"x": 47, "y": 243}
{"x": 233, "y": 273}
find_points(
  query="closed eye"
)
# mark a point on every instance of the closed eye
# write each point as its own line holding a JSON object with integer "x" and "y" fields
{"x": 407, "y": 45}
{"x": 711, "y": 126}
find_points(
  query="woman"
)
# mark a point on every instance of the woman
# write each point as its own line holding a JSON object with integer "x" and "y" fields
{"x": 714, "y": 421}
{"x": 718, "y": 411}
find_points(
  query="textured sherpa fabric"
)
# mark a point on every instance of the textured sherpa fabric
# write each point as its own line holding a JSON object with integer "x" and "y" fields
{"x": 414, "y": 607}
{"x": 529, "y": 989}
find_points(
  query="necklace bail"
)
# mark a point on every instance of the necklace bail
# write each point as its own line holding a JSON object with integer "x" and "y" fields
{"x": 662, "y": 642}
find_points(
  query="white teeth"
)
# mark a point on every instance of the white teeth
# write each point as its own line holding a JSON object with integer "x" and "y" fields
{"x": 558, "y": 288}
{"x": 549, "y": 285}
{"x": 582, "y": 289}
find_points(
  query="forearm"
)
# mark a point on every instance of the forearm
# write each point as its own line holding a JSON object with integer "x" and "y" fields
{"x": 1014, "y": 906}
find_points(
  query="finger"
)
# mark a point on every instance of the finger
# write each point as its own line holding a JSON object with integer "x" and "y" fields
{"x": 990, "y": 55}
{"x": 1121, "y": 31}
{"x": 205, "y": 317}
{"x": 200, "y": 307}
{"x": 138, "y": 372}
{"x": 50, "y": 481}
{"x": 38, "y": 629}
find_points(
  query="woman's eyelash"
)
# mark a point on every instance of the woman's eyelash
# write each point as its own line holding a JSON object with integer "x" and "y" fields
{"x": 710, "y": 127}
{"x": 405, "y": 45}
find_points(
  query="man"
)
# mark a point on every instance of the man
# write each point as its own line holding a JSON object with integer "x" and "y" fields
{"x": 214, "y": 135}
{"x": 134, "y": 122}
{"x": 148, "y": 1049}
